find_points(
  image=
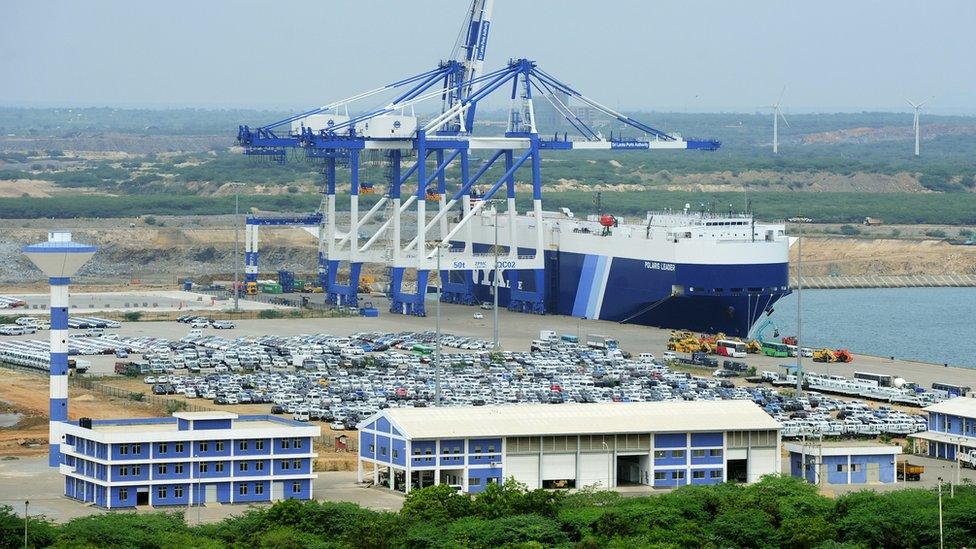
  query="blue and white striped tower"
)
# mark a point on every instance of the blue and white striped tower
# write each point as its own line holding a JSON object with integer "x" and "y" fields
{"x": 58, "y": 258}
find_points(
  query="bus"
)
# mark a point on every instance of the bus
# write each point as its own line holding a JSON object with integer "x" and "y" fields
{"x": 952, "y": 390}
{"x": 883, "y": 380}
{"x": 727, "y": 347}
{"x": 771, "y": 348}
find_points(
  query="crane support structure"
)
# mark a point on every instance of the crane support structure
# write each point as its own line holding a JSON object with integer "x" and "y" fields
{"x": 418, "y": 154}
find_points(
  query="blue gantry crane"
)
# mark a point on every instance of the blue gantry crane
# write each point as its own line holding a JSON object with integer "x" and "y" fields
{"x": 443, "y": 242}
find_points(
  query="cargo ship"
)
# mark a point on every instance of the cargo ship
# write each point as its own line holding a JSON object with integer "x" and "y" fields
{"x": 700, "y": 271}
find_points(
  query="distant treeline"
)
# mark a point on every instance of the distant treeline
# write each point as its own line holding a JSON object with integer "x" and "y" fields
{"x": 898, "y": 208}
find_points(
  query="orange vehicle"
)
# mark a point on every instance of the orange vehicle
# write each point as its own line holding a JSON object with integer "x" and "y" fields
{"x": 843, "y": 355}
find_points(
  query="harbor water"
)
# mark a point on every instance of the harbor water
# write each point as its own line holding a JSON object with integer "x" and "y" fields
{"x": 926, "y": 324}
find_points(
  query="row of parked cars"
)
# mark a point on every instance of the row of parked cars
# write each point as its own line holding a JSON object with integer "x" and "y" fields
{"x": 343, "y": 379}
{"x": 204, "y": 322}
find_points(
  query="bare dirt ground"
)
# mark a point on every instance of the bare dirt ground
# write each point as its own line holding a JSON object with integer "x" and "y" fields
{"x": 132, "y": 252}
{"x": 864, "y": 256}
{"x": 27, "y": 394}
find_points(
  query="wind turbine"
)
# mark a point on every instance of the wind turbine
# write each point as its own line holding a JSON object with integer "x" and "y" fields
{"x": 777, "y": 114}
{"x": 918, "y": 109}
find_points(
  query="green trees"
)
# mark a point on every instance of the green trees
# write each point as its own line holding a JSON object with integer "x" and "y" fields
{"x": 775, "y": 512}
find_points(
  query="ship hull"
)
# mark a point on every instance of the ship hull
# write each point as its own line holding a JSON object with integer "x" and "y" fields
{"x": 713, "y": 298}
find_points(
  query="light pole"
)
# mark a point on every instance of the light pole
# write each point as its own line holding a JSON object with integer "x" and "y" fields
{"x": 799, "y": 290}
{"x": 237, "y": 253}
{"x": 494, "y": 284}
{"x": 941, "y": 537}
{"x": 26, "y": 517}
{"x": 437, "y": 330}
{"x": 609, "y": 463}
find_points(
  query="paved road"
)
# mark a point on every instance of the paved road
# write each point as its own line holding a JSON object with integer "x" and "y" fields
{"x": 31, "y": 479}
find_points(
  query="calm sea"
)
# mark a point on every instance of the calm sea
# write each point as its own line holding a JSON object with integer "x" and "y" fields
{"x": 935, "y": 325}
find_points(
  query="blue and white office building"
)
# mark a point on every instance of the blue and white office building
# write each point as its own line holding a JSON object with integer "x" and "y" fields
{"x": 843, "y": 462}
{"x": 187, "y": 459}
{"x": 655, "y": 444}
{"x": 952, "y": 428}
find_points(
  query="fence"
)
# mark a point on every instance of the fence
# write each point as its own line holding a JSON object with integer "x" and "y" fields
{"x": 170, "y": 404}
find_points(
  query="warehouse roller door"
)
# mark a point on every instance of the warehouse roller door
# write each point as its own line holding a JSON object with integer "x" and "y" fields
{"x": 559, "y": 467}
{"x": 594, "y": 468}
{"x": 525, "y": 469}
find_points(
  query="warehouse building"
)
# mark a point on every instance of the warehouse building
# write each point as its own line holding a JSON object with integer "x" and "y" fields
{"x": 843, "y": 463}
{"x": 952, "y": 428}
{"x": 188, "y": 459}
{"x": 654, "y": 444}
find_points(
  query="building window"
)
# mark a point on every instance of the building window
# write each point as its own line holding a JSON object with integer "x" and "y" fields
{"x": 474, "y": 481}
{"x": 697, "y": 453}
{"x": 259, "y": 466}
{"x": 297, "y": 464}
{"x": 659, "y": 475}
{"x": 659, "y": 454}
{"x": 678, "y": 453}
{"x": 203, "y": 467}
{"x": 242, "y": 490}
{"x": 396, "y": 453}
{"x": 137, "y": 448}
{"x": 220, "y": 446}
{"x": 163, "y": 447}
{"x": 242, "y": 445}
{"x": 715, "y": 452}
{"x": 161, "y": 492}
{"x": 841, "y": 468}
{"x": 259, "y": 445}
{"x": 416, "y": 451}
{"x": 123, "y": 450}
{"x": 178, "y": 468}
{"x": 123, "y": 493}
{"x": 428, "y": 452}
{"x": 491, "y": 448}
{"x": 372, "y": 448}
{"x": 715, "y": 474}
{"x": 855, "y": 467}
{"x": 297, "y": 443}
{"x": 678, "y": 475}
{"x": 382, "y": 450}
{"x": 137, "y": 470}
{"x": 178, "y": 492}
{"x": 242, "y": 466}
{"x": 457, "y": 449}
{"x": 204, "y": 447}
{"x": 123, "y": 471}
{"x": 477, "y": 449}
{"x": 162, "y": 469}
{"x": 296, "y": 487}
{"x": 219, "y": 467}
{"x": 286, "y": 443}
{"x": 698, "y": 474}
{"x": 285, "y": 464}
{"x": 259, "y": 488}
{"x": 179, "y": 448}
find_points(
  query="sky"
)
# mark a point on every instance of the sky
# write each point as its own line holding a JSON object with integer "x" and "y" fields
{"x": 701, "y": 56}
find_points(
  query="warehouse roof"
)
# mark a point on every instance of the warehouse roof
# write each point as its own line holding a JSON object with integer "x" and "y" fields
{"x": 582, "y": 419}
{"x": 959, "y": 406}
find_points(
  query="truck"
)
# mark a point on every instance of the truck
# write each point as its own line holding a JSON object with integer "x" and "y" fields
{"x": 909, "y": 471}
{"x": 547, "y": 335}
{"x": 601, "y": 342}
{"x": 967, "y": 459}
